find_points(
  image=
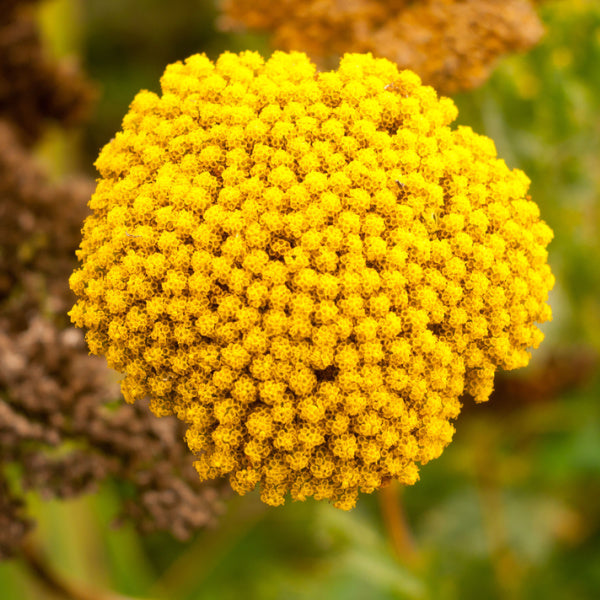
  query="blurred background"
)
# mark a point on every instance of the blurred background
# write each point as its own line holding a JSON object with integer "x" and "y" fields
{"x": 510, "y": 510}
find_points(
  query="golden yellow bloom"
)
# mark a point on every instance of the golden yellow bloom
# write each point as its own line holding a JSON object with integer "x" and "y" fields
{"x": 452, "y": 44}
{"x": 308, "y": 268}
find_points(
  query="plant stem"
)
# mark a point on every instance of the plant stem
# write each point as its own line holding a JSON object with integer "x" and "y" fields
{"x": 401, "y": 538}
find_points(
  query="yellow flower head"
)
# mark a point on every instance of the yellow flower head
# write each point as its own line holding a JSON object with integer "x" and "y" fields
{"x": 308, "y": 268}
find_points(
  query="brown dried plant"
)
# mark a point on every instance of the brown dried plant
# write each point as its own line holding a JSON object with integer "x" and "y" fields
{"x": 452, "y": 44}
{"x": 35, "y": 90}
{"x": 63, "y": 427}
{"x": 58, "y": 422}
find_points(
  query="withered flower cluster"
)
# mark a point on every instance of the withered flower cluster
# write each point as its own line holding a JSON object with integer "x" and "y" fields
{"x": 452, "y": 44}
{"x": 62, "y": 431}
{"x": 35, "y": 90}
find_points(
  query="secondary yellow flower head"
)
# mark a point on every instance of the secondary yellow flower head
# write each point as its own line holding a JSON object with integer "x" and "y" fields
{"x": 308, "y": 268}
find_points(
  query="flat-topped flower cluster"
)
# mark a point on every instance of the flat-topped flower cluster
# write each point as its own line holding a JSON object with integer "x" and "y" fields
{"x": 308, "y": 268}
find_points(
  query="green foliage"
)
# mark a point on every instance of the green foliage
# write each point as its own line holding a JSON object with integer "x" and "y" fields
{"x": 510, "y": 510}
{"x": 542, "y": 110}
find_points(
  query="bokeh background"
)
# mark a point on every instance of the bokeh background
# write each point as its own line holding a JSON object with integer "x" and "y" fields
{"x": 510, "y": 510}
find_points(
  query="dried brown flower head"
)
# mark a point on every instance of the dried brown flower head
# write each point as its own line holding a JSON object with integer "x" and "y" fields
{"x": 452, "y": 44}
{"x": 52, "y": 392}
{"x": 34, "y": 89}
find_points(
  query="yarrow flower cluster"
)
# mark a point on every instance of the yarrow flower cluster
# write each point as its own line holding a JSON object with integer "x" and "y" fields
{"x": 452, "y": 44}
{"x": 309, "y": 268}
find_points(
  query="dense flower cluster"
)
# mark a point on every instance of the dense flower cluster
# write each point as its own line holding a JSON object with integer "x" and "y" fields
{"x": 309, "y": 268}
{"x": 452, "y": 44}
